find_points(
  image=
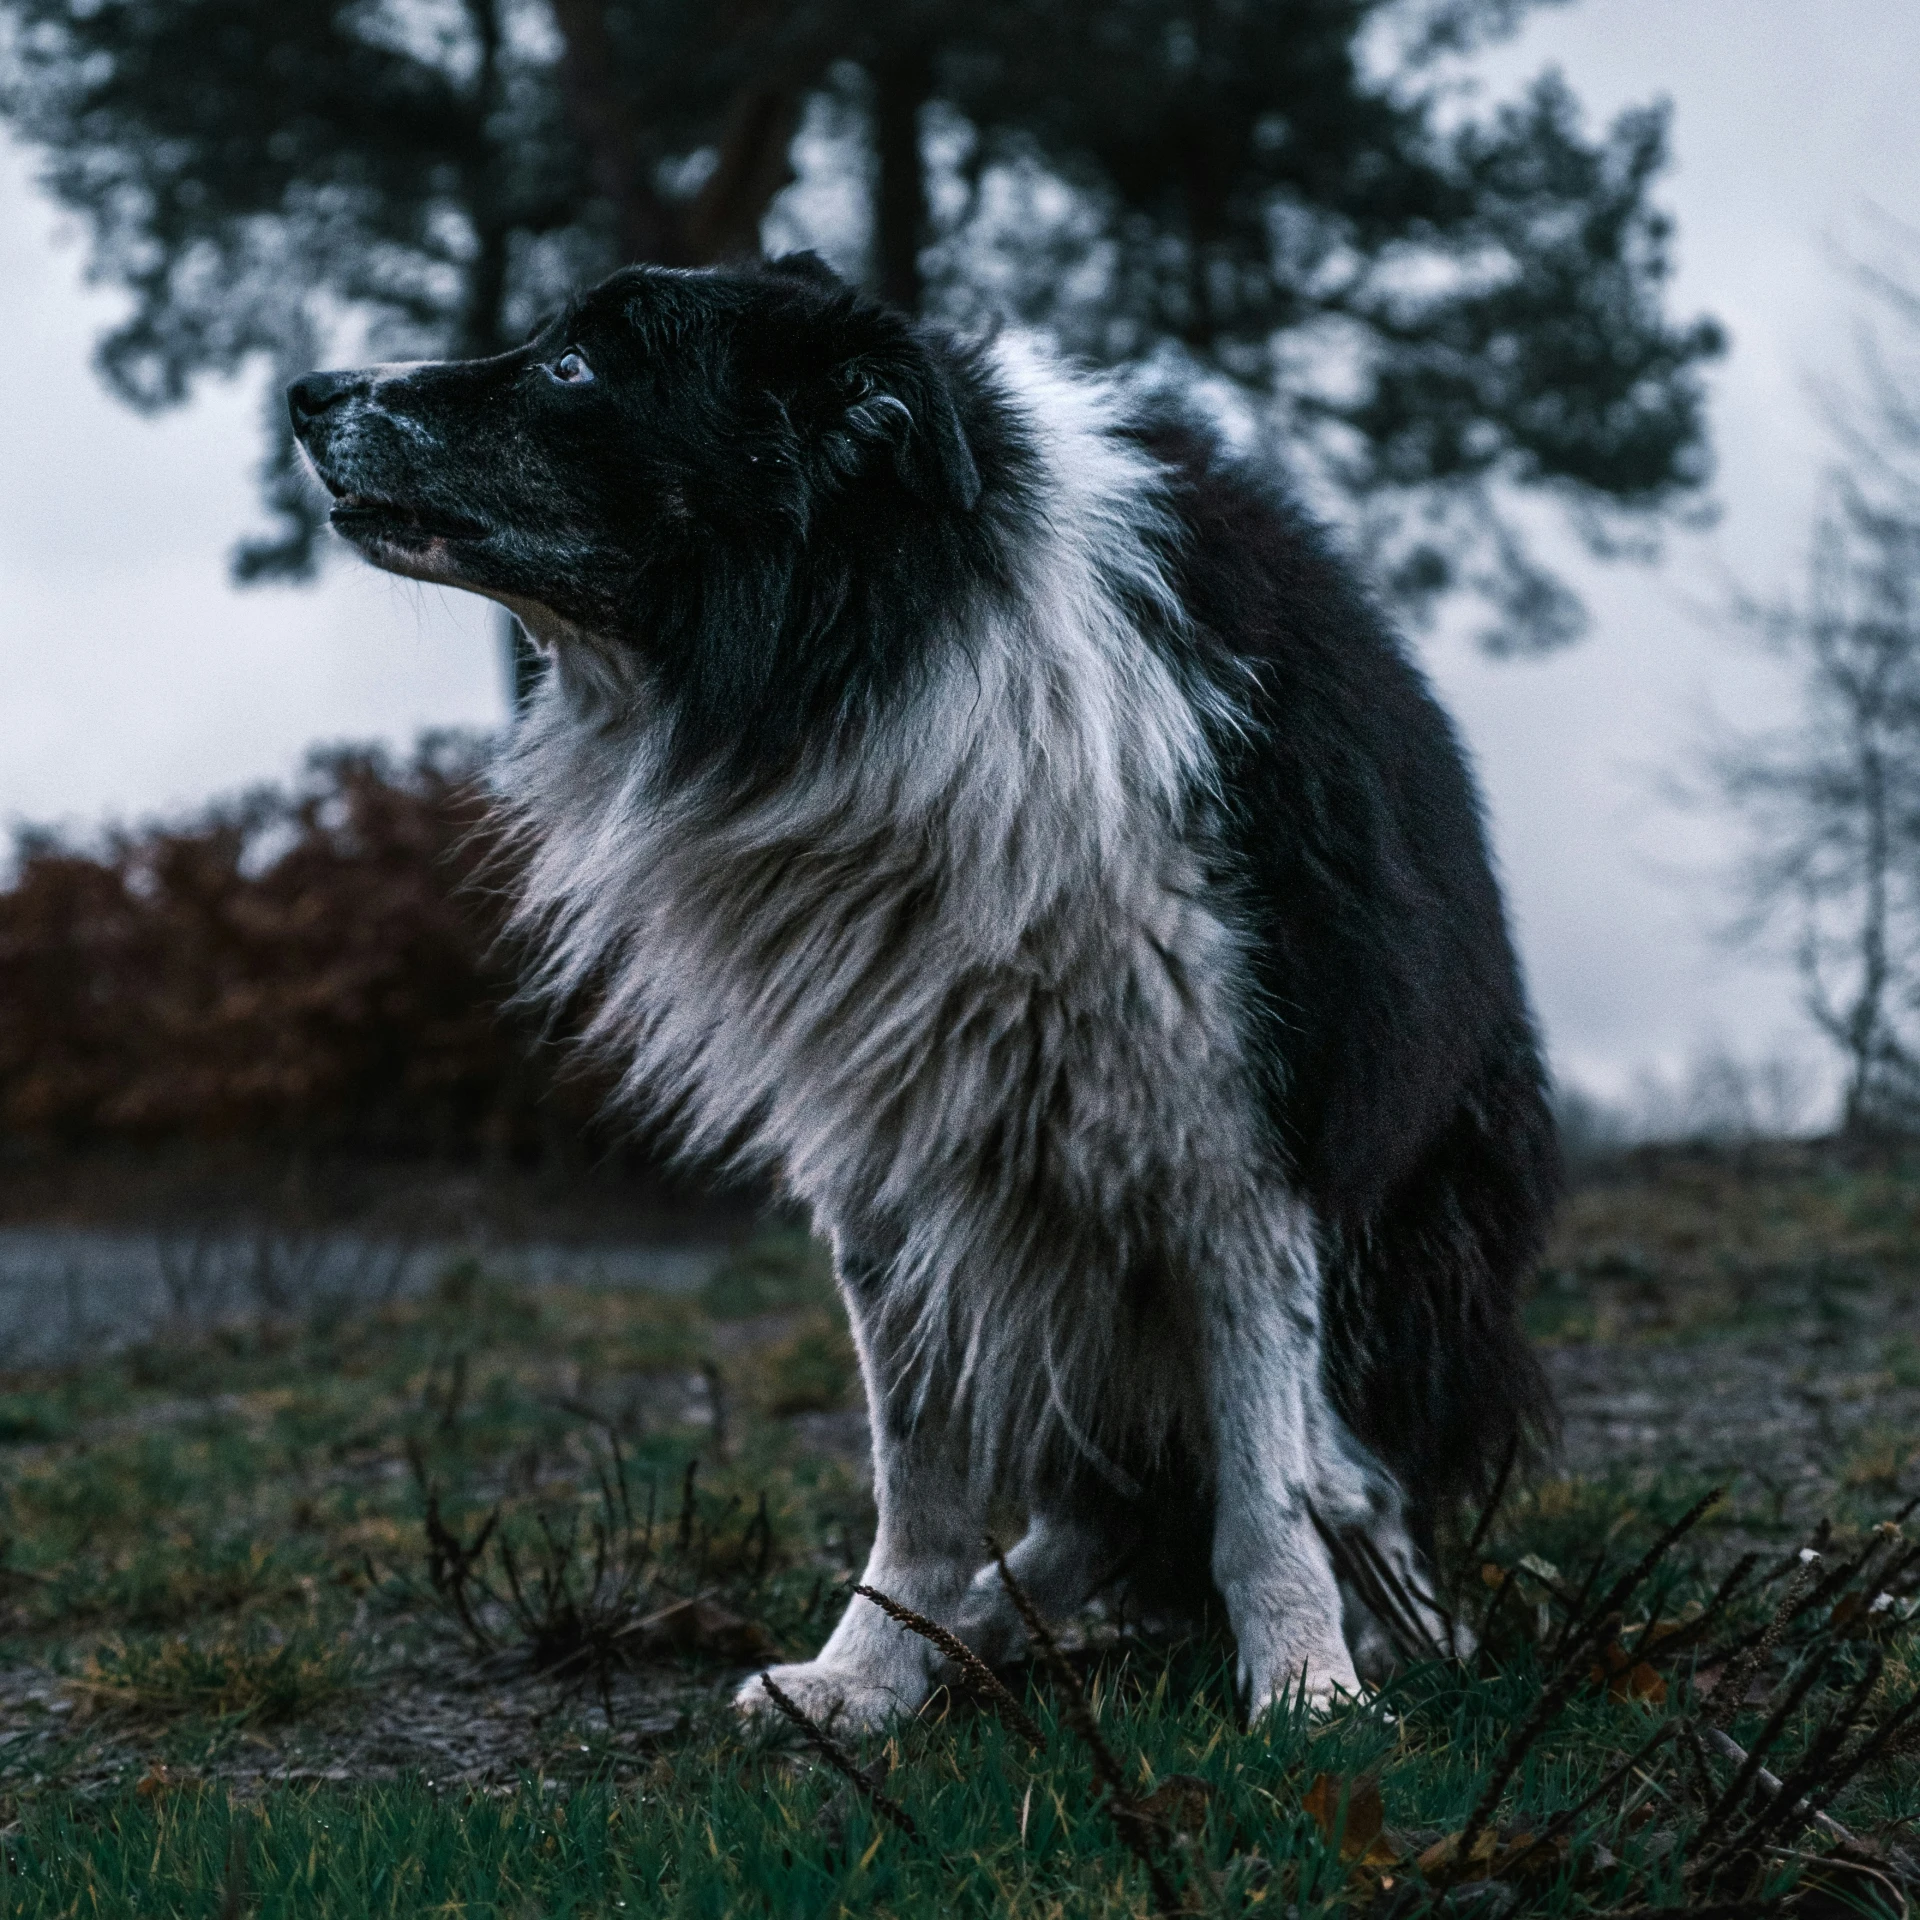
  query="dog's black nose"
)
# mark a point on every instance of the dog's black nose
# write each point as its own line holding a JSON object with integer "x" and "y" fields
{"x": 313, "y": 393}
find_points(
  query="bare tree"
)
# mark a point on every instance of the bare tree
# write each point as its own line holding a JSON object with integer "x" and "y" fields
{"x": 1831, "y": 801}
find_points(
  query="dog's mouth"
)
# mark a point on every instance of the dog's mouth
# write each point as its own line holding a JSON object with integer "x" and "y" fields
{"x": 365, "y": 517}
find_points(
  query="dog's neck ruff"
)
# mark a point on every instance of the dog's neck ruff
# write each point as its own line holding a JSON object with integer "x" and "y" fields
{"x": 741, "y": 951}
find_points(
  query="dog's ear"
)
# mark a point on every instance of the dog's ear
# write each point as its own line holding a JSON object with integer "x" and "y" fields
{"x": 898, "y": 398}
{"x": 807, "y": 265}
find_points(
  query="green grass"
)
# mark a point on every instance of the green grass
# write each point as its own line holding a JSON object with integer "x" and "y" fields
{"x": 241, "y": 1674}
{"x": 214, "y": 1566}
{"x": 727, "y": 1826}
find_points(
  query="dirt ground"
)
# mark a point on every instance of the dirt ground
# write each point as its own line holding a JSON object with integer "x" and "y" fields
{"x": 1753, "y": 1317}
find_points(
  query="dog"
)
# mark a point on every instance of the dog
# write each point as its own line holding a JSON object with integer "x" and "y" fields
{"x": 984, "y": 804}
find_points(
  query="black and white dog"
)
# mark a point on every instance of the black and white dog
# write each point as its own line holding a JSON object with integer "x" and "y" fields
{"x": 1017, "y": 827}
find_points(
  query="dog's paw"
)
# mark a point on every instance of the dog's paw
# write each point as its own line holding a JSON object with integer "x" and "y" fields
{"x": 1317, "y": 1684}
{"x": 840, "y": 1699}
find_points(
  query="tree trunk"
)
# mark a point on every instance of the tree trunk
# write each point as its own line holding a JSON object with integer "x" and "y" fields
{"x": 1867, "y": 1035}
{"x": 902, "y": 85}
{"x": 722, "y": 221}
{"x": 647, "y": 224}
{"x": 482, "y": 318}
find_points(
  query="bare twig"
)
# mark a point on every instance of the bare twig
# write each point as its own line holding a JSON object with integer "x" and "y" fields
{"x": 1562, "y": 1822}
{"x": 1712, "y": 1910}
{"x": 1622, "y": 1588}
{"x": 1400, "y": 1608}
{"x": 1706, "y": 1789}
{"x": 717, "y": 1403}
{"x": 1737, "y": 1672}
{"x": 190, "y": 1263}
{"x": 687, "y": 1509}
{"x": 1723, "y": 1808}
{"x": 975, "y": 1675}
{"x": 1821, "y": 1774}
{"x": 1572, "y": 1671}
{"x": 1501, "y": 1594}
{"x": 1576, "y": 1605}
{"x": 1550, "y": 1702}
{"x": 1676, "y": 1639}
{"x": 1490, "y": 1512}
{"x": 452, "y": 1563}
{"x": 760, "y": 1532}
{"x": 1843, "y": 1575}
{"x": 840, "y": 1760}
{"x": 1888, "y": 1736}
{"x": 1769, "y": 1783}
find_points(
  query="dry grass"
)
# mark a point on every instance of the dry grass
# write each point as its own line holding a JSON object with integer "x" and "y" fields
{"x": 253, "y": 1673}
{"x": 1674, "y": 1240}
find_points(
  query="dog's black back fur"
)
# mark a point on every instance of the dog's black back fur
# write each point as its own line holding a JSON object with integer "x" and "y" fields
{"x": 1403, "y": 1074}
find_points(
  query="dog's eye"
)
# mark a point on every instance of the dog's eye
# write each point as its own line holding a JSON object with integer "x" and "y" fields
{"x": 571, "y": 368}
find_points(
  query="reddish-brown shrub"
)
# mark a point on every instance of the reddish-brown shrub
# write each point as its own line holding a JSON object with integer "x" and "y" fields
{"x": 315, "y": 967}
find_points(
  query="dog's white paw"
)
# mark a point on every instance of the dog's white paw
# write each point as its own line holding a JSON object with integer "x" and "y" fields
{"x": 841, "y": 1699}
{"x": 1319, "y": 1694}
{"x": 1320, "y": 1682}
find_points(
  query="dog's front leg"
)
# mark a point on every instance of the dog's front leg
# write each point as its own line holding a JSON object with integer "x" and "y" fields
{"x": 927, "y": 1540}
{"x": 1262, "y": 1344}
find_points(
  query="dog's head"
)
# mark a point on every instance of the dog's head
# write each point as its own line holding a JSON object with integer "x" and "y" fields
{"x": 672, "y": 440}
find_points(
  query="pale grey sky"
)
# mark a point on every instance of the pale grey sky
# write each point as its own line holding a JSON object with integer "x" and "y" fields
{"x": 135, "y": 679}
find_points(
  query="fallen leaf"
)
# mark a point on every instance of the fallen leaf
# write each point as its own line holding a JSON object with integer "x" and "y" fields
{"x": 1628, "y": 1679}
{"x": 1442, "y": 1862}
{"x": 1527, "y": 1861}
{"x": 1521, "y": 1857}
{"x": 1352, "y": 1808}
{"x": 1661, "y": 1632}
{"x": 1178, "y": 1803}
{"x": 1706, "y": 1683}
{"x": 1642, "y": 1682}
{"x": 1859, "y": 1616}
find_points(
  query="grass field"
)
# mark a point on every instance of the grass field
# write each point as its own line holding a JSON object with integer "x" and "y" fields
{"x": 436, "y": 1610}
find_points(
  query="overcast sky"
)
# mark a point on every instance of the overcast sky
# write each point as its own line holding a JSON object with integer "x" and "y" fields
{"x": 134, "y": 679}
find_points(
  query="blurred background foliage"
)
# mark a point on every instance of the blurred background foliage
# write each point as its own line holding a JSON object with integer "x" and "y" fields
{"x": 315, "y": 967}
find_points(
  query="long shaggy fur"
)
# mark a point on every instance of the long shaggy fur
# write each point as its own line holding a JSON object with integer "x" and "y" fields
{"x": 1012, "y": 825}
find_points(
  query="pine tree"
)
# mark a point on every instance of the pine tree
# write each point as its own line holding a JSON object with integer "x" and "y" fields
{"x": 1424, "y": 309}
